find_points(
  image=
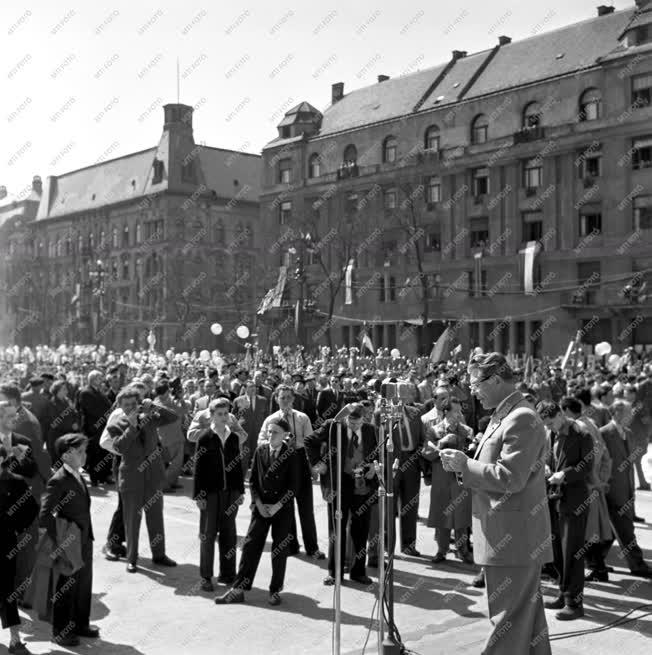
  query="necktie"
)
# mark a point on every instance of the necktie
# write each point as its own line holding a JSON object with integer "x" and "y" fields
{"x": 405, "y": 436}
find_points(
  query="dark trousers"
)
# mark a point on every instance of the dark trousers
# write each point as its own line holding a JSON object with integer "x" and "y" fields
{"x": 254, "y": 545}
{"x": 304, "y": 501}
{"x": 71, "y": 603}
{"x": 407, "y": 484}
{"x": 568, "y": 545}
{"x": 99, "y": 462}
{"x": 116, "y": 534}
{"x": 8, "y": 596}
{"x": 133, "y": 507}
{"x": 218, "y": 519}
{"x": 358, "y": 509}
{"x": 26, "y": 561}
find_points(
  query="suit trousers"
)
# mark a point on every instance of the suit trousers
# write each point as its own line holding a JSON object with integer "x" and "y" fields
{"x": 116, "y": 534}
{"x": 305, "y": 504}
{"x": 173, "y": 461}
{"x": 8, "y": 598}
{"x": 71, "y": 603}
{"x": 254, "y": 544}
{"x": 407, "y": 484}
{"x": 99, "y": 462}
{"x": 357, "y": 508}
{"x": 133, "y": 506}
{"x": 516, "y": 611}
{"x": 443, "y": 539}
{"x": 568, "y": 545}
{"x": 218, "y": 519}
{"x": 26, "y": 561}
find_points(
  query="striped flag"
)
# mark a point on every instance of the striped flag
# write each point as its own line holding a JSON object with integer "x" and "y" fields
{"x": 439, "y": 350}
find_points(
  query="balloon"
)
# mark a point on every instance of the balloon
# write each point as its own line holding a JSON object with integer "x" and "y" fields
{"x": 242, "y": 331}
{"x": 614, "y": 362}
{"x": 204, "y": 355}
{"x": 169, "y": 354}
{"x": 477, "y": 351}
{"x": 216, "y": 329}
{"x": 396, "y": 353}
{"x": 185, "y": 355}
{"x": 602, "y": 349}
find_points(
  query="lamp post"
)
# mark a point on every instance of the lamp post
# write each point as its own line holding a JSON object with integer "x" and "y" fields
{"x": 97, "y": 278}
{"x": 303, "y": 245}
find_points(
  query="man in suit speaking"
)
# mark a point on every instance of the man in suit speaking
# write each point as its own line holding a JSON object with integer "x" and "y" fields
{"x": 511, "y": 523}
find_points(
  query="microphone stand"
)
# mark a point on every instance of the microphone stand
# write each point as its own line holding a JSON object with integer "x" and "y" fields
{"x": 338, "y": 544}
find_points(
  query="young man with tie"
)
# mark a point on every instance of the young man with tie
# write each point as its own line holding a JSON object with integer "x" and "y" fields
{"x": 359, "y": 484}
{"x": 66, "y": 497}
{"x": 218, "y": 491}
{"x": 301, "y": 429}
{"x": 273, "y": 480}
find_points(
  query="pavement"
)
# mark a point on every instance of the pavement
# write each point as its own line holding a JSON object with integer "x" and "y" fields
{"x": 162, "y": 611}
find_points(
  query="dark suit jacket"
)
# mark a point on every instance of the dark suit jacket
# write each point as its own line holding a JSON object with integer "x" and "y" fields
{"x": 65, "y": 497}
{"x": 416, "y": 428}
{"x": 40, "y": 405}
{"x": 253, "y": 419}
{"x": 621, "y": 484}
{"x": 272, "y": 482}
{"x": 26, "y": 465}
{"x": 94, "y": 408}
{"x": 328, "y": 404}
{"x": 28, "y": 427}
{"x": 571, "y": 453}
{"x": 217, "y": 467}
{"x": 321, "y": 446}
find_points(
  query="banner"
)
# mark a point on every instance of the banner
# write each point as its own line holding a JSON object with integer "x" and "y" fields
{"x": 439, "y": 351}
{"x": 366, "y": 342}
{"x": 530, "y": 253}
{"x": 348, "y": 281}
{"x": 280, "y": 286}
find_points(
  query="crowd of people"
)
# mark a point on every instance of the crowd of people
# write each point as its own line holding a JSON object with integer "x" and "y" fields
{"x": 270, "y": 425}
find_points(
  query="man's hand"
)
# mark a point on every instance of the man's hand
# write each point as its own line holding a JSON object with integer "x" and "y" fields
{"x": 132, "y": 417}
{"x": 557, "y": 478}
{"x": 201, "y": 503}
{"x": 232, "y": 421}
{"x": 371, "y": 473}
{"x": 147, "y": 405}
{"x": 319, "y": 469}
{"x": 453, "y": 460}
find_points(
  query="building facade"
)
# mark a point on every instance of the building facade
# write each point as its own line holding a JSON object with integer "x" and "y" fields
{"x": 165, "y": 240}
{"x": 506, "y": 193}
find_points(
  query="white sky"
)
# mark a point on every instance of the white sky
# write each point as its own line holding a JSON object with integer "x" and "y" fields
{"x": 81, "y": 79}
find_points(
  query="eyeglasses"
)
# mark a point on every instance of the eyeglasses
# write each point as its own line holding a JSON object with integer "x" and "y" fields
{"x": 473, "y": 384}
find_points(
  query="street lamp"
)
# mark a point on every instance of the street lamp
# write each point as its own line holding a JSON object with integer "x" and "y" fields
{"x": 97, "y": 278}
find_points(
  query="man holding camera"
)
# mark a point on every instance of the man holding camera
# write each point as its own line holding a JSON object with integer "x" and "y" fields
{"x": 359, "y": 484}
{"x": 141, "y": 475}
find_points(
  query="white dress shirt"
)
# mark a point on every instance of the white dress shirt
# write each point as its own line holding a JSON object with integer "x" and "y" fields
{"x": 300, "y": 425}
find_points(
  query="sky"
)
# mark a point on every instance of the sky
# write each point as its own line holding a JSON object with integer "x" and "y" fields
{"x": 86, "y": 81}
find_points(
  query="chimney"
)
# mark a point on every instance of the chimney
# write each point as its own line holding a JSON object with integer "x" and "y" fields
{"x": 504, "y": 40}
{"x": 337, "y": 92}
{"x": 37, "y": 184}
{"x": 383, "y": 78}
{"x": 3, "y": 192}
{"x": 605, "y": 10}
{"x": 177, "y": 117}
{"x": 459, "y": 54}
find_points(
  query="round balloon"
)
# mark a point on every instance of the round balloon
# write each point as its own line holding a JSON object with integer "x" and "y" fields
{"x": 216, "y": 329}
{"x": 204, "y": 355}
{"x": 242, "y": 331}
{"x": 613, "y": 361}
{"x": 396, "y": 353}
{"x": 477, "y": 351}
{"x": 602, "y": 349}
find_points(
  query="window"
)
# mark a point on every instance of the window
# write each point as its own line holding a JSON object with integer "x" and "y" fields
{"x": 434, "y": 285}
{"x": 590, "y": 220}
{"x": 388, "y": 289}
{"x": 532, "y": 226}
{"x": 285, "y": 171}
{"x": 588, "y": 281}
{"x": 286, "y": 133}
{"x": 473, "y": 291}
{"x": 642, "y": 90}
{"x": 390, "y": 199}
{"x": 590, "y": 165}
{"x": 433, "y": 190}
{"x": 158, "y": 171}
{"x": 114, "y": 270}
{"x": 643, "y": 213}
{"x": 479, "y": 232}
{"x": 532, "y": 173}
{"x": 642, "y": 153}
{"x": 532, "y": 116}
{"x": 433, "y": 241}
{"x": 125, "y": 268}
{"x": 188, "y": 171}
{"x": 385, "y": 253}
{"x": 285, "y": 212}
{"x": 114, "y": 239}
{"x": 350, "y": 155}
{"x": 220, "y": 235}
{"x": 432, "y": 139}
{"x": 102, "y": 240}
{"x": 389, "y": 150}
{"x": 125, "y": 237}
{"x": 314, "y": 166}
{"x": 480, "y": 182}
{"x": 590, "y": 105}
{"x": 139, "y": 233}
{"x": 480, "y": 129}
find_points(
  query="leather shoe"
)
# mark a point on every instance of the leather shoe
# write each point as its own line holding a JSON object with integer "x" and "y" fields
{"x": 66, "y": 641}
{"x": 19, "y": 648}
{"x": 570, "y": 613}
{"x": 207, "y": 585}
{"x": 644, "y": 487}
{"x": 164, "y": 561}
{"x": 317, "y": 555}
{"x": 132, "y": 568}
{"x": 361, "y": 579}
{"x": 439, "y": 557}
{"x": 274, "y": 599}
{"x": 642, "y": 573}
{"x": 411, "y": 551}
{"x": 478, "y": 581}
{"x": 597, "y": 576}
{"x": 329, "y": 581}
{"x": 230, "y": 597}
{"x": 225, "y": 579}
{"x": 557, "y": 604}
{"x": 638, "y": 519}
{"x": 465, "y": 556}
{"x": 109, "y": 554}
{"x": 89, "y": 632}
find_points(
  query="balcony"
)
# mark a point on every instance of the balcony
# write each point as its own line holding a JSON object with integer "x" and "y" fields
{"x": 529, "y": 134}
{"x": 347, "y": 170}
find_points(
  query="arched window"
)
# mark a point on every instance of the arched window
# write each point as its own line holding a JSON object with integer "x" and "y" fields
{"x": 590, "y": 105}
{"x": 314, "y": 166}
{"x": 390, "y": 147}
{"x": 350, "y": 155}
{"x": 480, "y": 129}
{"x": 114, "y": 239}
{"x": 139, "y": 233}
{"x": 432, "y": 137}
{"x": 532, "y": 116}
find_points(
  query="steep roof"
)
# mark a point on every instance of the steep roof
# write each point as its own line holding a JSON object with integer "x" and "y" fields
{"x": 539, "y": 57}
{"x": 222, "y": 167}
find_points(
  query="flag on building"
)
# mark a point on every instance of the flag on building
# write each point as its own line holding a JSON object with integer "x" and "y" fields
{"x": 267, "y": 301}
{"x": 440, "y": 349}
{"x": 348, "y": 283}
{"x": 280, "y": 286}
{"x": 365, "y": 341}
{"x": 529, "y": 255}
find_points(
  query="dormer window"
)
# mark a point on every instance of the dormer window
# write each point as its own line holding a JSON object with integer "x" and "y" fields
{"x": 532, "y": 116}
{"x": 285, "y": 132}
{"x": 590, "y": 105}
{"x": 188, "y": 171}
